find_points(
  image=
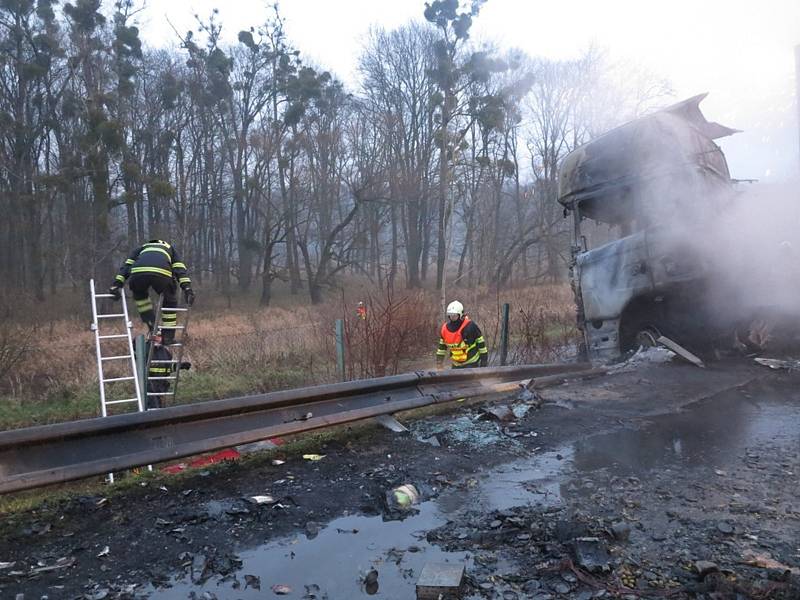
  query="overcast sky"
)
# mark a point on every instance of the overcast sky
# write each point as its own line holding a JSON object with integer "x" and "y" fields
{"x": 740, "y": 51}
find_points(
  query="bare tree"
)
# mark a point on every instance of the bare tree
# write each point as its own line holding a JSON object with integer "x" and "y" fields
{"x": 266, "y": 169}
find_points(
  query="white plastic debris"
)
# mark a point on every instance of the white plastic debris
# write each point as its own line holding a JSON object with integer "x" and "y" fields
{"x": 262, "y": 500}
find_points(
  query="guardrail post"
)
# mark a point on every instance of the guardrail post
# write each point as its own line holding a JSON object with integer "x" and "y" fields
{"x": 504, "y": 335}
{"x": 140, "y": 350}
{"x": 339, "y": 335}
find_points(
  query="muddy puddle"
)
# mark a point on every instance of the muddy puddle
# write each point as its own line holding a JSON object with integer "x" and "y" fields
{"x": 334, "y": 562}
{"x": 705, "y": 434}
{"x": 533, "y": 481}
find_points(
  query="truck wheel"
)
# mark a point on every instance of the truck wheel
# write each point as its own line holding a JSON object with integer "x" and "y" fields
{"x": 647, "y": 336}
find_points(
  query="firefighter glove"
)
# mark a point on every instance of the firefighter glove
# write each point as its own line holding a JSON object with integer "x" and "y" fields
{"x": 188, "y": 295}
{"x": 114, "y": 290}
{"x": 186, "y": 365}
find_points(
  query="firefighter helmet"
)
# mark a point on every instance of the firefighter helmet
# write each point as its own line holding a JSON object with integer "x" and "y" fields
{"x": 455, "y": 308}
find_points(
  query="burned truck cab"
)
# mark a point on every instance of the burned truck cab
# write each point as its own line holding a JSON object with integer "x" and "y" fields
{"x": 639, "y": 197}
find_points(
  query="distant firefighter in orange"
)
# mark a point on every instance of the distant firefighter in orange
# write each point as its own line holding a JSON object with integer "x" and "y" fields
{"x": 462, "y": 339}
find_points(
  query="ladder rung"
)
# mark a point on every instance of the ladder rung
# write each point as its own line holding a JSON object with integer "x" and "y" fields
{"x": 121, "y": 401}
{"x": 159, "y": 394}
{"x": 116, "y": 335}
{"x": 118, "y": 379}
{"x": 163, "y": 310}
{"x": 173, "y": 327}
{"x": 115, "y": 357}
{"x": 111, "y": 316}
{"x": 104, "y": 295}
{"x": 161, "y": 378}
{"x": 163, "y": 362}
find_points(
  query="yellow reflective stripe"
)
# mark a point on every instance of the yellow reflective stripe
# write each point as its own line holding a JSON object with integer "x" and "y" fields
{"x": 156, "y": 249}
{"x": 143, "y": 302}
{"x": 475, "y": 358}
{"x": 184, "y": 280}
{"x": 178, "y": 265}
{"x": 460, "y": 345}
{"x": 460, "y": 352}
{"x": 120, "y": 278}
{"x": 129, "y": 261}
{"x": 151, "y": 270}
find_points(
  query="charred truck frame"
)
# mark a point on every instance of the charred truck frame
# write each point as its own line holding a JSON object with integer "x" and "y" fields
{"x": 651, "y": 183}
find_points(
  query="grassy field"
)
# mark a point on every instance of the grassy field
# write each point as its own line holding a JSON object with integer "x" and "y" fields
{"x": 237, "y": 348}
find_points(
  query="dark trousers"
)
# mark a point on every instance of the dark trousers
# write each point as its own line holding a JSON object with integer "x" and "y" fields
{"x": 141, "y": 284}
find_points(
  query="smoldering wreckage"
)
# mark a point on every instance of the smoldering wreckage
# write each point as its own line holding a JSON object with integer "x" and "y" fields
{"x": 691, "y": 262}
{"x": 649, "y": 478}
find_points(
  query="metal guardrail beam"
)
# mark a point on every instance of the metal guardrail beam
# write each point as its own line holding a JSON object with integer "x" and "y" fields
{"x": 49, "y": 454}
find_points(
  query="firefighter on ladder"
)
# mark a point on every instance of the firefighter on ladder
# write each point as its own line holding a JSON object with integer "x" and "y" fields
{"x": 462, "y": 339}
{"x": 155, "y": 265}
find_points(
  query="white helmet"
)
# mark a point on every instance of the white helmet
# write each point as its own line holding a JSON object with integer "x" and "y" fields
{"x": 455, "y": 308}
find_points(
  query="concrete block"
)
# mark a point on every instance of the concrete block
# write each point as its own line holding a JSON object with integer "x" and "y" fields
{"x": 440, "y": 581}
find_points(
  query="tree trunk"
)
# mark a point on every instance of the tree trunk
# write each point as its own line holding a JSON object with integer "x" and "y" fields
{"x": 244, "y": 245}
{"x": 441, "y": 247}
{"x": 266, "y": 276}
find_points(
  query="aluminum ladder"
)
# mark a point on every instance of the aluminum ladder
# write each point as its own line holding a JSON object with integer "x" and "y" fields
{"x": 99, "y": 337}
{"x": 178, "y": 343}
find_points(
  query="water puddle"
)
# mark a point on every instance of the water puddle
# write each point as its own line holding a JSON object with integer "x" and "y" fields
{"x": 536, "y": 481}
{"x": 335, "y": 561}
{"x": 706, "y": 434}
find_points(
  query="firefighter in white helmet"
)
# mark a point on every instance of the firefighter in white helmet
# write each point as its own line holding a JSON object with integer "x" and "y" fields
{"x": 462, "y": 339}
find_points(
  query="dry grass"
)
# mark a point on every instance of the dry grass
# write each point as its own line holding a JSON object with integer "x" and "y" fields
{"x": 397, "y": 328}
{"x": 249, "y": 350}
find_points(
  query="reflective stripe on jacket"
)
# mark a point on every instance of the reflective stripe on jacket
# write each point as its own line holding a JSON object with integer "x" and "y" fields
{"x": 155, "y": 257}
